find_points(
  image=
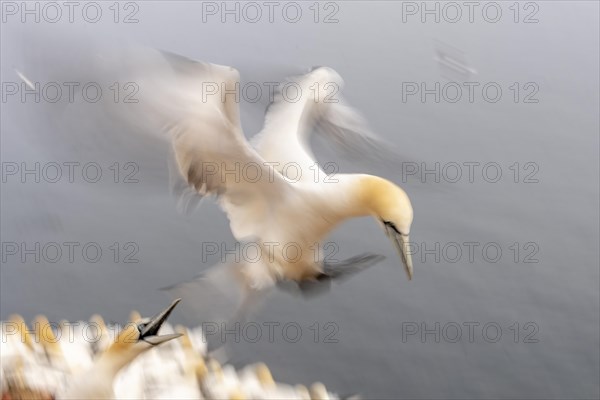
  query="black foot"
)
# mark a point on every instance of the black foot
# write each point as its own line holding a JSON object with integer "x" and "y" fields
{"x": 337, "y": 272}
{"x": 351, "y": 266}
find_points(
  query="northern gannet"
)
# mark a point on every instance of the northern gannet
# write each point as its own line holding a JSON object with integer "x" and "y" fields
{"x": 273, "y": 191}
{"x": 25, "y": 370}
{"x": 176, "y": 370}
{"x": 273, "y": 205}
{"x": 133, "y": 340}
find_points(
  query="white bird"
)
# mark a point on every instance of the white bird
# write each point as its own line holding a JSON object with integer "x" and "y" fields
{"x": 97, "y": 382}
{"x": 174, "y": 370}
{"x": 22, "y": 360}
{"x": 273, "y": 191}
{"x": 268, "y": 202}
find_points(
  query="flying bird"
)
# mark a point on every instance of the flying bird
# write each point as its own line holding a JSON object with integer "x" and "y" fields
{"x": 272, "y": 189}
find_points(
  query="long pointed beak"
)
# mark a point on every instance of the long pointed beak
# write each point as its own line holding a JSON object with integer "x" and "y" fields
{"x": 401, "y": 242}
{"x": 149, "y": 330}
{"x": 156, "y": 340}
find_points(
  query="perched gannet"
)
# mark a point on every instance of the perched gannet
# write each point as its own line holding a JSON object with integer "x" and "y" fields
{"x": 106, "y": 336}
{"x": 97, "y": 382}
{"x": 174, "y": 370}
{"x": 28, "y": 360}
{"x": 257, "y": 382}
{"x": 78, "y": 355}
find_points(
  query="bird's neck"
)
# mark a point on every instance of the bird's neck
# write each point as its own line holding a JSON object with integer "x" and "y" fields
{"x": 109, "y": 364}
{"x": 97, "y": 382}
{"x": 353, "y": 195}
{"x": 94, "y": 383}
{"x": 120, "y": 353}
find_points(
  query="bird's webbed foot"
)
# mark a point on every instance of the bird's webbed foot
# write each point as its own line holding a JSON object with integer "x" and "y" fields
{"x": 344, "y": 269}
{"x": 332, "y": 272}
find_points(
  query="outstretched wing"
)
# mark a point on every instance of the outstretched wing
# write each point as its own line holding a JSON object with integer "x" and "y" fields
{"x": 187, "y": 102}
{"x": 313, "y": 101}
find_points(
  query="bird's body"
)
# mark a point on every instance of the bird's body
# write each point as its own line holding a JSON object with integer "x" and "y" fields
{"x": 291, "y": 241}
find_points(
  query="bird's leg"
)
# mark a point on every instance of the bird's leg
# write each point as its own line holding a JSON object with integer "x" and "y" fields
{"x": 346, "y": 268}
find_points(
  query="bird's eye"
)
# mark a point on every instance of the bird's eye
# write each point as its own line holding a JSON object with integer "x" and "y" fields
{"x": 391, "y": 225}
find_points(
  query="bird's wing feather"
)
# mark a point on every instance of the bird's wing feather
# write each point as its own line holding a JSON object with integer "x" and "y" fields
{"x": 290, "y": 120}
{"x": 284, "y": 137}
{"x": 211, "y": 154}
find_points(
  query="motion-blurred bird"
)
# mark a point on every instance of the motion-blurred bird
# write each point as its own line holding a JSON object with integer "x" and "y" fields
{"x": 272, "y": 189}
{"x": 135, "y": 339}
{"x": 33, "y": 364}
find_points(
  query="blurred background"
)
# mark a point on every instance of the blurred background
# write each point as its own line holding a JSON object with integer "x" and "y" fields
{"x": 505, "y": 299}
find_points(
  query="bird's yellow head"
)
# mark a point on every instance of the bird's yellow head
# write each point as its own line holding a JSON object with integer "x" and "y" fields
{"x": 391, "y": 206}
{"x": 138, "y": 337}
